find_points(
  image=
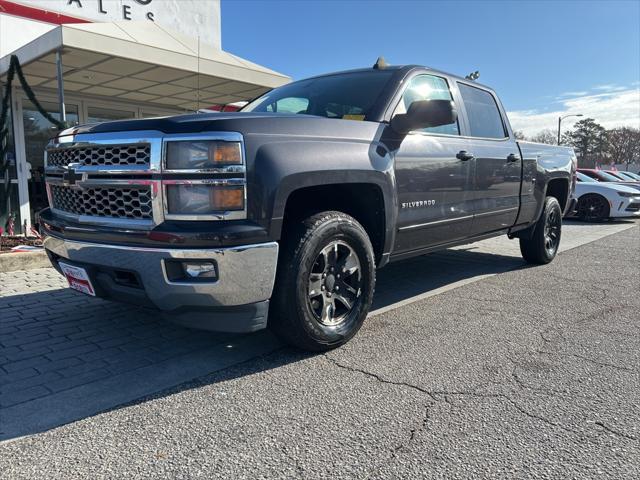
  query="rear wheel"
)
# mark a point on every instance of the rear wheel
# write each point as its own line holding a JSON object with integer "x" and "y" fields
{"x": 593, "y": 208}
{"x": 325, "y": 282}
{"x": 542, "y": 246}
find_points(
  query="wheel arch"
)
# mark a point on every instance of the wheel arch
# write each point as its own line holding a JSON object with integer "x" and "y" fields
{"x": 364, "y": 197}
{"x": 558, "y": 188}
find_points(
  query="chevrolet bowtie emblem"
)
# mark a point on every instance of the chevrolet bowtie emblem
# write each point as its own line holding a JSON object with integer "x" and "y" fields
{"x": 70, "y": 177}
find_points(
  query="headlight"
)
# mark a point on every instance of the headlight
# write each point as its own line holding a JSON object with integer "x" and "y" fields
{"x": 202, "y": 155}
{"x": 203, "y": 199}
{"x": 629, "y": 194}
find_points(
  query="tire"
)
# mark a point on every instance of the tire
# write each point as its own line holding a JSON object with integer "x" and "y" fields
{"x": 310, "y": 301}
{"x": 593, "y": 208}
{"x": 542, "y": 246}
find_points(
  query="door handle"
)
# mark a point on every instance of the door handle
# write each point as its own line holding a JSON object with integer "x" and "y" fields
{"x": 513, "y": 158}
{"x": 464, "y": 155}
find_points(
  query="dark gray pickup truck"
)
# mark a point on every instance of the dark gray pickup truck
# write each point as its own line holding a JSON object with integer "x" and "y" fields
{"x": 285, "y": 210}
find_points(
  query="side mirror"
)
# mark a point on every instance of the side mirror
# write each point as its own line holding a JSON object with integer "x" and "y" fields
{"x": 425, "y": 114}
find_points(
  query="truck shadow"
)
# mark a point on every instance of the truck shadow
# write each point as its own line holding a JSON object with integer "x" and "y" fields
{"x": 65, "y": 356}
{"x": 576, "y": 222}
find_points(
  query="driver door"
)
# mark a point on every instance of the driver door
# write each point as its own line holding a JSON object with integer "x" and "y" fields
{"x": 434, "y": 177}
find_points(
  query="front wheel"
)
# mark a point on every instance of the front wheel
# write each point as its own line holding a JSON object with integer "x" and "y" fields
{"x": 542, "y": 246}
{"x": 325, "y": 282}
{"x": 593, "y": 208}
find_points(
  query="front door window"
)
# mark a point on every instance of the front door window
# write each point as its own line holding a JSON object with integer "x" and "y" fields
{"x": 428, "y": 87}
{"x": 433, "y": 183}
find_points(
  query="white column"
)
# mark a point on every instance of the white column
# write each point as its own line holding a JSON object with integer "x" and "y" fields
{"x": 60, "y": 78}
{"x": 21, "y": 159}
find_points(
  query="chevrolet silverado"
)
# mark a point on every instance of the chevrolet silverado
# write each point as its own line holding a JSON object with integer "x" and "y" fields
{"x": 279, "y": 215}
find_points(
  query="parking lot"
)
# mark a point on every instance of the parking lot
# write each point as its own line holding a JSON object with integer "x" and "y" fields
{"x": 471, "y": 365}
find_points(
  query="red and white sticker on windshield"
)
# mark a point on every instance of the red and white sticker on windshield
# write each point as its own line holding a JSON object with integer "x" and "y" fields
{"x": 78, "y": 279}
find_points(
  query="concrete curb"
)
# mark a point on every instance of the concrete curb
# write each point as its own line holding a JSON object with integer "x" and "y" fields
{"x": 11, "y": 262}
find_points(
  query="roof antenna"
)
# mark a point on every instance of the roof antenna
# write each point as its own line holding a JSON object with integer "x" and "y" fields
{"x": 380, "y": 64}
{"x": 473, "y": 75}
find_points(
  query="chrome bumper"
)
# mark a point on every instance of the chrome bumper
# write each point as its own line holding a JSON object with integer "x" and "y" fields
{"x": 246, "y": 274}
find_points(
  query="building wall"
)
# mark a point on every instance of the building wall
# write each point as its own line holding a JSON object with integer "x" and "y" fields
{"x": 195, "y": 18}
{"x": 16, "y": 32}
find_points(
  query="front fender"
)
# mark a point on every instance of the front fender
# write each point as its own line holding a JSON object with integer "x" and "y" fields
{"x": 283, "y": 166}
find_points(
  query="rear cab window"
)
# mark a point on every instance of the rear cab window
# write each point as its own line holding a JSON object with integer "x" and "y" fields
{"x": 483, "y": 114}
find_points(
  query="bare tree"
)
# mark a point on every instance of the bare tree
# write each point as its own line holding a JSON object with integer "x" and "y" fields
{"x": 624, "y": 144}
{"x": 545, "y": 136}
{"x": 519, "y": 134}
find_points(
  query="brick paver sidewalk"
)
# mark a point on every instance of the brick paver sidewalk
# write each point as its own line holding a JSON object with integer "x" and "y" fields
{"x": 53, "y": 339}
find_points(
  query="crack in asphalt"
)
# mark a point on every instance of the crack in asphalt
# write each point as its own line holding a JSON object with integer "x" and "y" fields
{"x": 589, "y": 360}
{"x": 378, "y": 377}
{"x": 521, "y": 383}
{"x": 616, "y": 432}
{"x": 444, "y": 395}
{"x": 435, "y": 394}
{"x": 415, "y": 430}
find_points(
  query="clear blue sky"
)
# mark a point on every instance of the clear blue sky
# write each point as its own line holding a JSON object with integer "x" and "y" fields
{"x": 530, "y": 52}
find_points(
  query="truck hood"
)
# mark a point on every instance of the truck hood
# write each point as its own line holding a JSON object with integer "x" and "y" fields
{"x": 175, "y": 124}
{"x": 245, "y": 123}
{"x": 604, "y": 187}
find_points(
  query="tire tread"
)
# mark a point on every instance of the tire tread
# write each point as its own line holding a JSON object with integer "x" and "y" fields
{"x": 282, "y": 321}
{"x": 532, "y": 248}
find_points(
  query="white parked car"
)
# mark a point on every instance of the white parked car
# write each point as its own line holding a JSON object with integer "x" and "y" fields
{"x": 603, "y": 200}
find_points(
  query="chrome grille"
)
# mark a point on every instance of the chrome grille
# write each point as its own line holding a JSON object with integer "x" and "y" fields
{"x": 129, "y": 203}
{"x": 98, "y": 155}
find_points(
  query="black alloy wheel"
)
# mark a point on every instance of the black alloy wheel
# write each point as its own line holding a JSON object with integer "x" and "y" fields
{"x": 593, "y": 208}
{"x": 325, "y": 282}
{"x": 540, "y": 244}
{"x": 552, "y": 228}
{"x": 334, "y": 283}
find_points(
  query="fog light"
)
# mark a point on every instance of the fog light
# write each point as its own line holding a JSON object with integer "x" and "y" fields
{"x": 191, "y": 271}
{"x": 199, "y": 269}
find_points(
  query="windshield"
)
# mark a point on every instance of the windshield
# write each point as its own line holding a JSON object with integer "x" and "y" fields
{"x": 629, "y": 175}
{"x": 583, "y": 178}
{"x": 607, "y": 176}
{"x": 617, "y": 175}
{"x": 349, "y": 96}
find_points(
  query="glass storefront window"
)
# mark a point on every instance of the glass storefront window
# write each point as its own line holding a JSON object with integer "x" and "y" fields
{"x": 37, "y": 132}
{"x": 9, "y": 202}
{"x": 99, "y": 114}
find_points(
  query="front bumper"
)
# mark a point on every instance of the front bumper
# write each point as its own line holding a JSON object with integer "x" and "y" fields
{"x": 570, "y": 209}
{"x": 626, "y": 207}
{"x": 236, "y": 301}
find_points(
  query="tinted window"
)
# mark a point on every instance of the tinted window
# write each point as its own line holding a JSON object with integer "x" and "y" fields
{"x": 630, "y": 175}
{"x": 289, "y": 105}
{"x": 607, "y": 177}
{"x": 348, "y": 95}
{"x": 484, "y": 117}
{"x": 428, "y": 87}
{"x": 583, "y": 178}
{"x": 617, "y": 175}
{"x": 589, "y": 173}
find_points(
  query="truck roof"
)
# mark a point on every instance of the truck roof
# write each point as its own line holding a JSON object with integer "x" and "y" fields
{"x": 405, "y": 68}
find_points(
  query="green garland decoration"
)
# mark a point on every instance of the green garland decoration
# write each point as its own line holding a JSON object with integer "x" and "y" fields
{"x": 16, "y": 69}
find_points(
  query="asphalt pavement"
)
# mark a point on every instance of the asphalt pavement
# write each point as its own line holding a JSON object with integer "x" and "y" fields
{"x": 529, "y": 373}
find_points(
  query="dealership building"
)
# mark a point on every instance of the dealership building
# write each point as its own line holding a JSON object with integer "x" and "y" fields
{"x": 90, "y": 61}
